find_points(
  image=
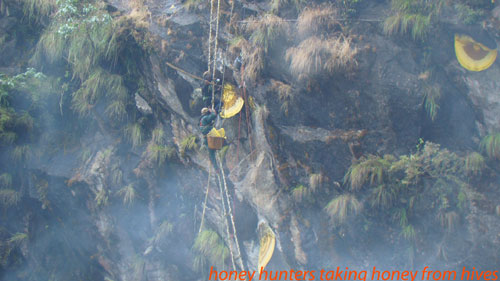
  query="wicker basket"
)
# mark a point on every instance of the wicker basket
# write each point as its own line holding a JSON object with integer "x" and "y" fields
{"x": 215, "y": 142}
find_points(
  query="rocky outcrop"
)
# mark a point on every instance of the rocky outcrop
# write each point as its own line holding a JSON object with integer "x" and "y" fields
{"x": 375, "y": 109}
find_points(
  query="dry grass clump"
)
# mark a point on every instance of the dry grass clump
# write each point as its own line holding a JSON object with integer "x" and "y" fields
{"x": 277, "y": 4}
{"x": 449, "y": 220}
{"x": 284, "y": 90}
{"x": 341, "y": 207}
{"x": 253, "y": 57}
{"x": 140, "y": 14}
{"x": 474, "y": 163}
{"x": 43, "y": 8}
{"x": 315, "y": 55}
{"x": 414, "y": 17}
{"x": 370, "y": 169}
{"x": 192, "y": 4}
{"x": 285, "y": 94}
{"x": 315, "y": 181}
{"x": 318, "y": 19}
{"x": 266, "y": 29}
{"x": 491, "y": 145}
{"x": 254, "y": 63}
{"x": 210, "y": 249}
{"x": 301, "y": 193}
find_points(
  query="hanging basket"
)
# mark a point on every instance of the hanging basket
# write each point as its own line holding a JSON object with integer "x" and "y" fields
{"x": 215, "y": 142}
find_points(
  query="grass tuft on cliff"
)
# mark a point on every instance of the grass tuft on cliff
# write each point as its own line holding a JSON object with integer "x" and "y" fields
{"x": 412, "y": 17}
{"x": 315, "y": 55}
{"x": 211, "y": 249}
{"x": 316, "y": 20}
{"x": 266, "y": 29}
{"x": 342, "y": 206}
{"x": 491, "y": 145}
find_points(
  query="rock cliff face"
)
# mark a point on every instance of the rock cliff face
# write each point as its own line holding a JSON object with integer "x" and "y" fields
{"x": 119, "y": 209}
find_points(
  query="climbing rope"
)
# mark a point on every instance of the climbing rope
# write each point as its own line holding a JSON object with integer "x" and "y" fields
{"x": 210, "y": 36}
{"x": 206, "y": 198}
{"x": 295, "y": 20}
{"x": 216, "y": 40}
{"x": 224, "y": 193}
{"x": 228, "y": 199}
{"x": 225, "y": 222}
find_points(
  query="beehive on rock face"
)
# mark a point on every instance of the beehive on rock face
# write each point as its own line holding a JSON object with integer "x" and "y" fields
{"x": 267, "y": 244}
{"x": 232, "y": 102}
{"x": 473, "y": 55}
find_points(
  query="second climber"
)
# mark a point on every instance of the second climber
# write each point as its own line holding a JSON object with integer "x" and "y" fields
{"x": 207, "y": 121}
{"x": 206, "y": 92}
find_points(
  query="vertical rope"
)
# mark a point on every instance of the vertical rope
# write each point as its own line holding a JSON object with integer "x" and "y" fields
{"x": 225, "y": 222}
{"x": 228, "y": 199}
{"x": 210, "y": 36}
{"x": 206, "y": 198}
{"x": 215, "y": 51}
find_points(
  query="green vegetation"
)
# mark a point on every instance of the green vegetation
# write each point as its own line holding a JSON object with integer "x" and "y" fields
{"x": 405, "y": 187}
{"x": 42, "y": 188}
{"x": 92, "y": 44}
{"x": 371, "y": 168}
{"x": 276, "y": 5}
{"x": 413, "y": 17}
{"x": 116, "y": 174}
{"x": 301, "y": 193}
{"x": 314, "y": 21}
{"x": 9, "y": 197}
{"x": 158, "y": 136}
{"x": 138, "y": 266}
{"x": 449, "y": 220}
{"x": 21, "y": 153}
{"x": 18, "y": 238}
{"x": 315, "y": 181}
{"x": 32, "y": 87}
{"x": 128, "y": 194}
{"x": 342, "y": 206}
{"x": 161, "y": 234}
{"x": 101, "y": 197}
{"x": 382, "y": 196}
{"x": 157, "y": 154}
{"x": 350, "y": 8}
{"x": 431, "y": 100}
{"x": 92, "y": 65}
{"x": 5, "y": 180}
{"x": 468, "y": 14}
{"x": 253, "y": 57}
{"x": 187, "y": 144}
{"x": 8, "y": 246}
{"x": 472, "y": 11}
{"x": 474, "y": 163}
{"x": 409, "y": 232}
{"x": 157, "y": 151}
{"x": 285, "y": 94}
{"x": 135, "y": 133}
{"x": 192, "y": 4}
{"x": 223, "y": 153}
{"x": 491, "y": 145}
{"x": 36, "y": 9}
{"x": 266, "y": 29}
{"x": 210, "y": 248}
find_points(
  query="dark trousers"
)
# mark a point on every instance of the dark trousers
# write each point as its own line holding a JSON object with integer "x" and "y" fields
{"x": 211, "y": 153}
